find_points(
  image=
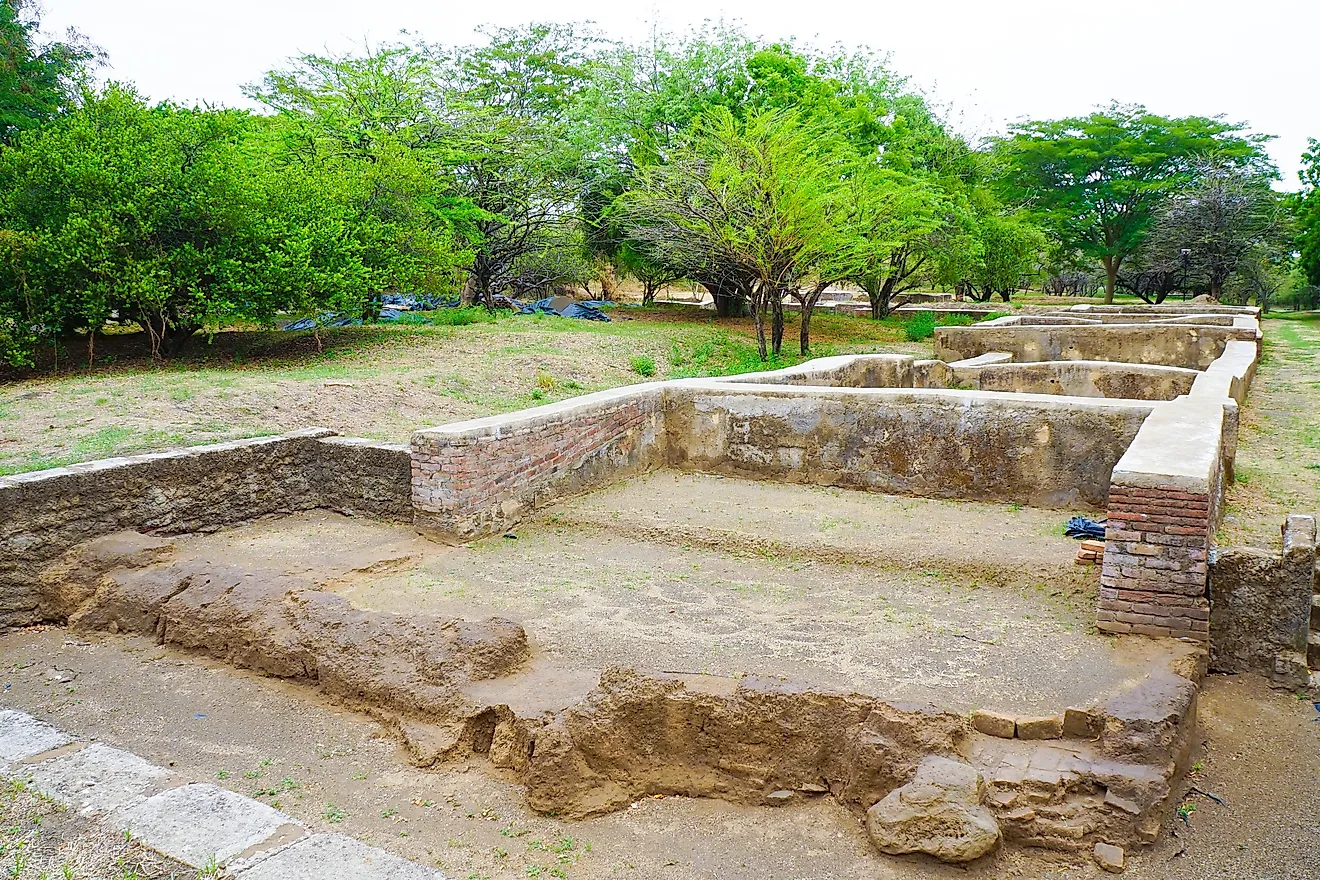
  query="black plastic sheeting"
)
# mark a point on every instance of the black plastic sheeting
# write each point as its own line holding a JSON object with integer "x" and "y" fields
{"x": 589, "y": 310}
{"x": 1081, "y": 528}
{"x": 396, "y": 305}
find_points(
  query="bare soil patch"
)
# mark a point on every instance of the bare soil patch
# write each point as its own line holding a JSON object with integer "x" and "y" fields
{"x": 843, "y": 598}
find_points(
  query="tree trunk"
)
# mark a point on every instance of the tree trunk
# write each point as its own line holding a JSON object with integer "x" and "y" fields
{"x": 777, "y": 326}
{"x": 469, "y": 294}
{"x": 649, "y": 291}
{"x": 758, "y": 315}
{"x": 1111, "y": 278}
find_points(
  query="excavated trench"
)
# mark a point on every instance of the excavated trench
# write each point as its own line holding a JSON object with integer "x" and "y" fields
{"x": 924, "y": 778}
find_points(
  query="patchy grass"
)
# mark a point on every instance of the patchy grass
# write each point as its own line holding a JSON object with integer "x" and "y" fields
{"x": 381, "y": 381}
{"x": 1278, "y": 458}
{"x": 41, "y": 840}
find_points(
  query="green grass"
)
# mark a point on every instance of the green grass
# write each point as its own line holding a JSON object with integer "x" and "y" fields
{"x": 642, "y": 365}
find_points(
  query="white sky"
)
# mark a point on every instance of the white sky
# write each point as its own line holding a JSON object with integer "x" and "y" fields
{"x": 990, "y": 61}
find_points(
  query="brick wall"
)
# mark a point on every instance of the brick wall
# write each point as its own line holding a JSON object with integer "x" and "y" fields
{"x": 1156, "y": 549}
{"x": 1164, "y": 500}
{"x": 476, "y": 478}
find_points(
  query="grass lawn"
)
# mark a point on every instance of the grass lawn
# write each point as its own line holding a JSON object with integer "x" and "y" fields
{"x": 381, "y": 382}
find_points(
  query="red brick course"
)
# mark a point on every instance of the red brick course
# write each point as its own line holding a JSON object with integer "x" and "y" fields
{"x": 1153, "y": 581}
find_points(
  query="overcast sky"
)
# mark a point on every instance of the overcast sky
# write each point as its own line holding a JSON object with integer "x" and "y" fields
{"x": 989, "y": 61}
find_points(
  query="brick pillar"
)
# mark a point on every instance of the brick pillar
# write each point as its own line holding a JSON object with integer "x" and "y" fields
{"x": 1156, "y": 549}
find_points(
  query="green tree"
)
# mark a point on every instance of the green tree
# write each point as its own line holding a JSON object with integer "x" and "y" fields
{"x": 37, "y": 78}
{"x": 1306, "y": 207}
{"x": 1096, "y": 182}
{"x": 756, "y": 203}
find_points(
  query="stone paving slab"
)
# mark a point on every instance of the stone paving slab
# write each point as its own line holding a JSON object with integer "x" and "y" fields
{"x": 198, "y": 824}
{"x": 23, "y": 737}
{"x": 326, "y": 856}
{"x": 201, "y": 822}
{"x": 97, "y": 779}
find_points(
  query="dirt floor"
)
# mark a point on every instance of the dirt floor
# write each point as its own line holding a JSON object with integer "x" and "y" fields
{"x": 966, "y": 605}
{"x": 380, "y": 382}
{"x": 1278, "y": 459}
{"x": 334, "y": 771}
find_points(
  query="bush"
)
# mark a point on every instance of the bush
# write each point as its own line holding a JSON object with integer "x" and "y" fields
{"x": 642, "y": 365}
{"x": 920, "y": 326}
{"x": 462, "y": 316}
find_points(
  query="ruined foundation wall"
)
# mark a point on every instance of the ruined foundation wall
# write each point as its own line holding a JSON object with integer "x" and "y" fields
{"x": 478, "y": 477}
{"x": 1261, "y": 606}
{"x": 1089, "y": 379}
{"x": 1172, "y": 345}
{"x": 198, "y": 489}
{"x": 1030, "y": 449}
{"x": 846, "y": 371}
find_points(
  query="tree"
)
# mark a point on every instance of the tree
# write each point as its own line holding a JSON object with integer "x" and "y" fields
{"x": 754, "y": 204}
{"x": 37, "y": 79}
{"x": 176, "y": 219}
{"x": 1011, "y": 250}
{"x": 1096, "y": 182}
{"x": 1306, "y": 210}
{"x": 1215, "y": 223}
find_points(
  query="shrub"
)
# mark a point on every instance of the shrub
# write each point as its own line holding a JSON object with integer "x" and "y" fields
{"x": 461, "y": 316}
{"x": 642, "y": 365}
{"x": 920, "y": 326}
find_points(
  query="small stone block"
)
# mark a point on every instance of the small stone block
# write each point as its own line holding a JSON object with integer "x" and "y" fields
{"x": 200, "y": 822}
{"x": 1081, "y": 723}
{"x": 23, "y": 737}
{"x": 334, "y": 855}
{"x": 1046, "y": 727}
{"x": 1122, "y": 803}
{"x": 1095, "y": 546}
{"x": 994, "y": 724}
{"x": 1109, "y": 857}
{"x": 97, "y": 779}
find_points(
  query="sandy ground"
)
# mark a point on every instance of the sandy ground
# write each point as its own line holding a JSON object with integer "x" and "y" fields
{"x": 846, "y": 595}
{"x": 333, "y": 770}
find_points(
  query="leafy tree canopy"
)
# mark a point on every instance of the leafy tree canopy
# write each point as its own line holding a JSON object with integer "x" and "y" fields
{"x": 1097, "y": 181}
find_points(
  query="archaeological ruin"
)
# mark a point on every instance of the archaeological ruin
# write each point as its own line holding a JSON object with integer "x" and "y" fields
{"x": 412, "y": 581}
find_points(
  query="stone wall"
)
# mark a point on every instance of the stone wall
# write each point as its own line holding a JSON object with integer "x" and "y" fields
{"x": 1261, "y": 606}
{"x": 478, "y": 477}
{"x": 1163, "y": 507}
{"x": 1171, "y": 345}
{"x": 844, "y": 371}
{"x": 1030, "y": 449}
{"x": 1089, "y": 379}
{"x": 198, "y": 489}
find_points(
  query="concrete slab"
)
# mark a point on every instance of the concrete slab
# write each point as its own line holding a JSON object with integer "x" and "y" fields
{"x": 98, "y": 779}
{"x": 333, "y": 855}
{"x": 22, "y": 737}
{"x": 200, "y": 822}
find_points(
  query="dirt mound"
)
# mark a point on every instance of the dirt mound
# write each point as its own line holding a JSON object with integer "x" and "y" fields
{"x": 280, "y": 625}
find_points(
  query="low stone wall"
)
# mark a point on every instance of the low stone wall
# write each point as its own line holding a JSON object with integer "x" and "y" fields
{"x": 1089, "y": 379}
{"x": 1030, "y": 449}
{"x": 476, "y": 478}
{"x": 1261, "y": 606}
{"x": 846, "y": 371}
{"x": 199, "y": 489}
{"x": 1171, "y": 345}
{"x": 1164, "y": 503}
